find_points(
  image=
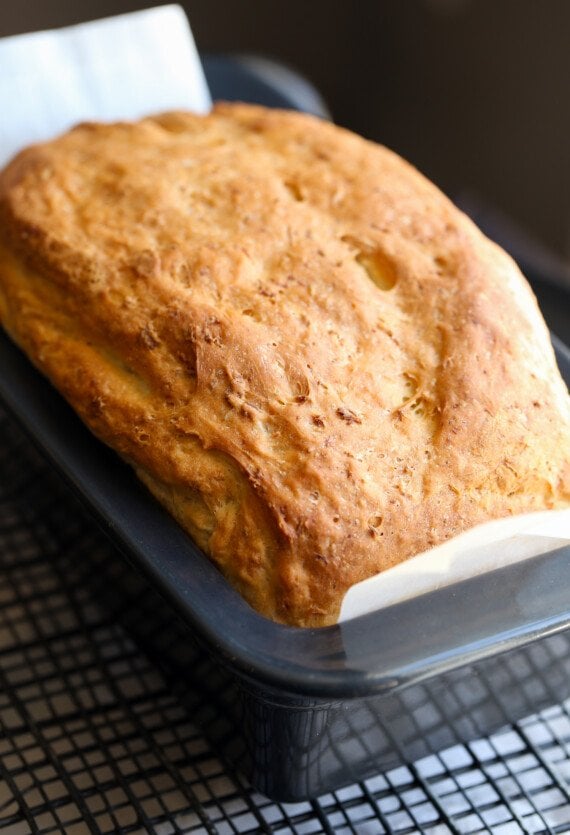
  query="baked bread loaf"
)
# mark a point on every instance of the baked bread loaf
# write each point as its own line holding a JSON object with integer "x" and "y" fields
{"x": 307, "y": 353}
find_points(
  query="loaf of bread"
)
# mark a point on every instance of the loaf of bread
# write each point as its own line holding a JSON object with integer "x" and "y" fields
{"x": 306, "y": 352}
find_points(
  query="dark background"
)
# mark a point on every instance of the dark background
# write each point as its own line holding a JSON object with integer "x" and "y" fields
{"x": 474, "y": 92}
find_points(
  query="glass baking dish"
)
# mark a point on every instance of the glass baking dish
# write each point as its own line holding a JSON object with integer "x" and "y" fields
{"x": 304, "y": 711}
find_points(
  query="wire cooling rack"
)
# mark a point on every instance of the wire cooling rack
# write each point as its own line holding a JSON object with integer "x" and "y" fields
{"x": 96, "y": 739}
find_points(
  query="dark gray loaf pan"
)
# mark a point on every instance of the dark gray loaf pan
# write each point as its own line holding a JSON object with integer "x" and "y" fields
{"x": 304, "y": 711}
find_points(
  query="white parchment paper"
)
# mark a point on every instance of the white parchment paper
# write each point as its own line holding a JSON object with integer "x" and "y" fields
{"x": 121, "y": 67}
{"x": 481, "y": 549}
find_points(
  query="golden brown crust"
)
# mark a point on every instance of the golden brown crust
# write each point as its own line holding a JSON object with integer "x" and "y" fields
{"x": 308, "y": 354}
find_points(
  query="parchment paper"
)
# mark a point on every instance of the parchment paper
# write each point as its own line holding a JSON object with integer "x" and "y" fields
{"x": 492, "y": 545}
{"x": 121, "y": 67}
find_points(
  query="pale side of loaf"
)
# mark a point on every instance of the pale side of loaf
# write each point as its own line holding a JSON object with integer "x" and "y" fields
{"x": 306, "y": 352}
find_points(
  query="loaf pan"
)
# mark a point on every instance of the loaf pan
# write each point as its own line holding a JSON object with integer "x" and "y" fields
{"x": 305, "y": 711}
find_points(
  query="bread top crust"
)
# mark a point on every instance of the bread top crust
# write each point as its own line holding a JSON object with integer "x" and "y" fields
{"x": 305, "y": 350}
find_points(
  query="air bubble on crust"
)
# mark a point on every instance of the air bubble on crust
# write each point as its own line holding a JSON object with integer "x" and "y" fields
{"x": 294, "y": 190}
{"x": 251, "y": 314}
{"x": 441, "y": 264}
{"x": 378, "y": 269}
{"x": 410, "y": 387}
{"x": 377, "y": 266}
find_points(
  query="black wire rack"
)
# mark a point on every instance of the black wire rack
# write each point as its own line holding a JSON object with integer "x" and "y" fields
{"x": 96, "y": 738}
